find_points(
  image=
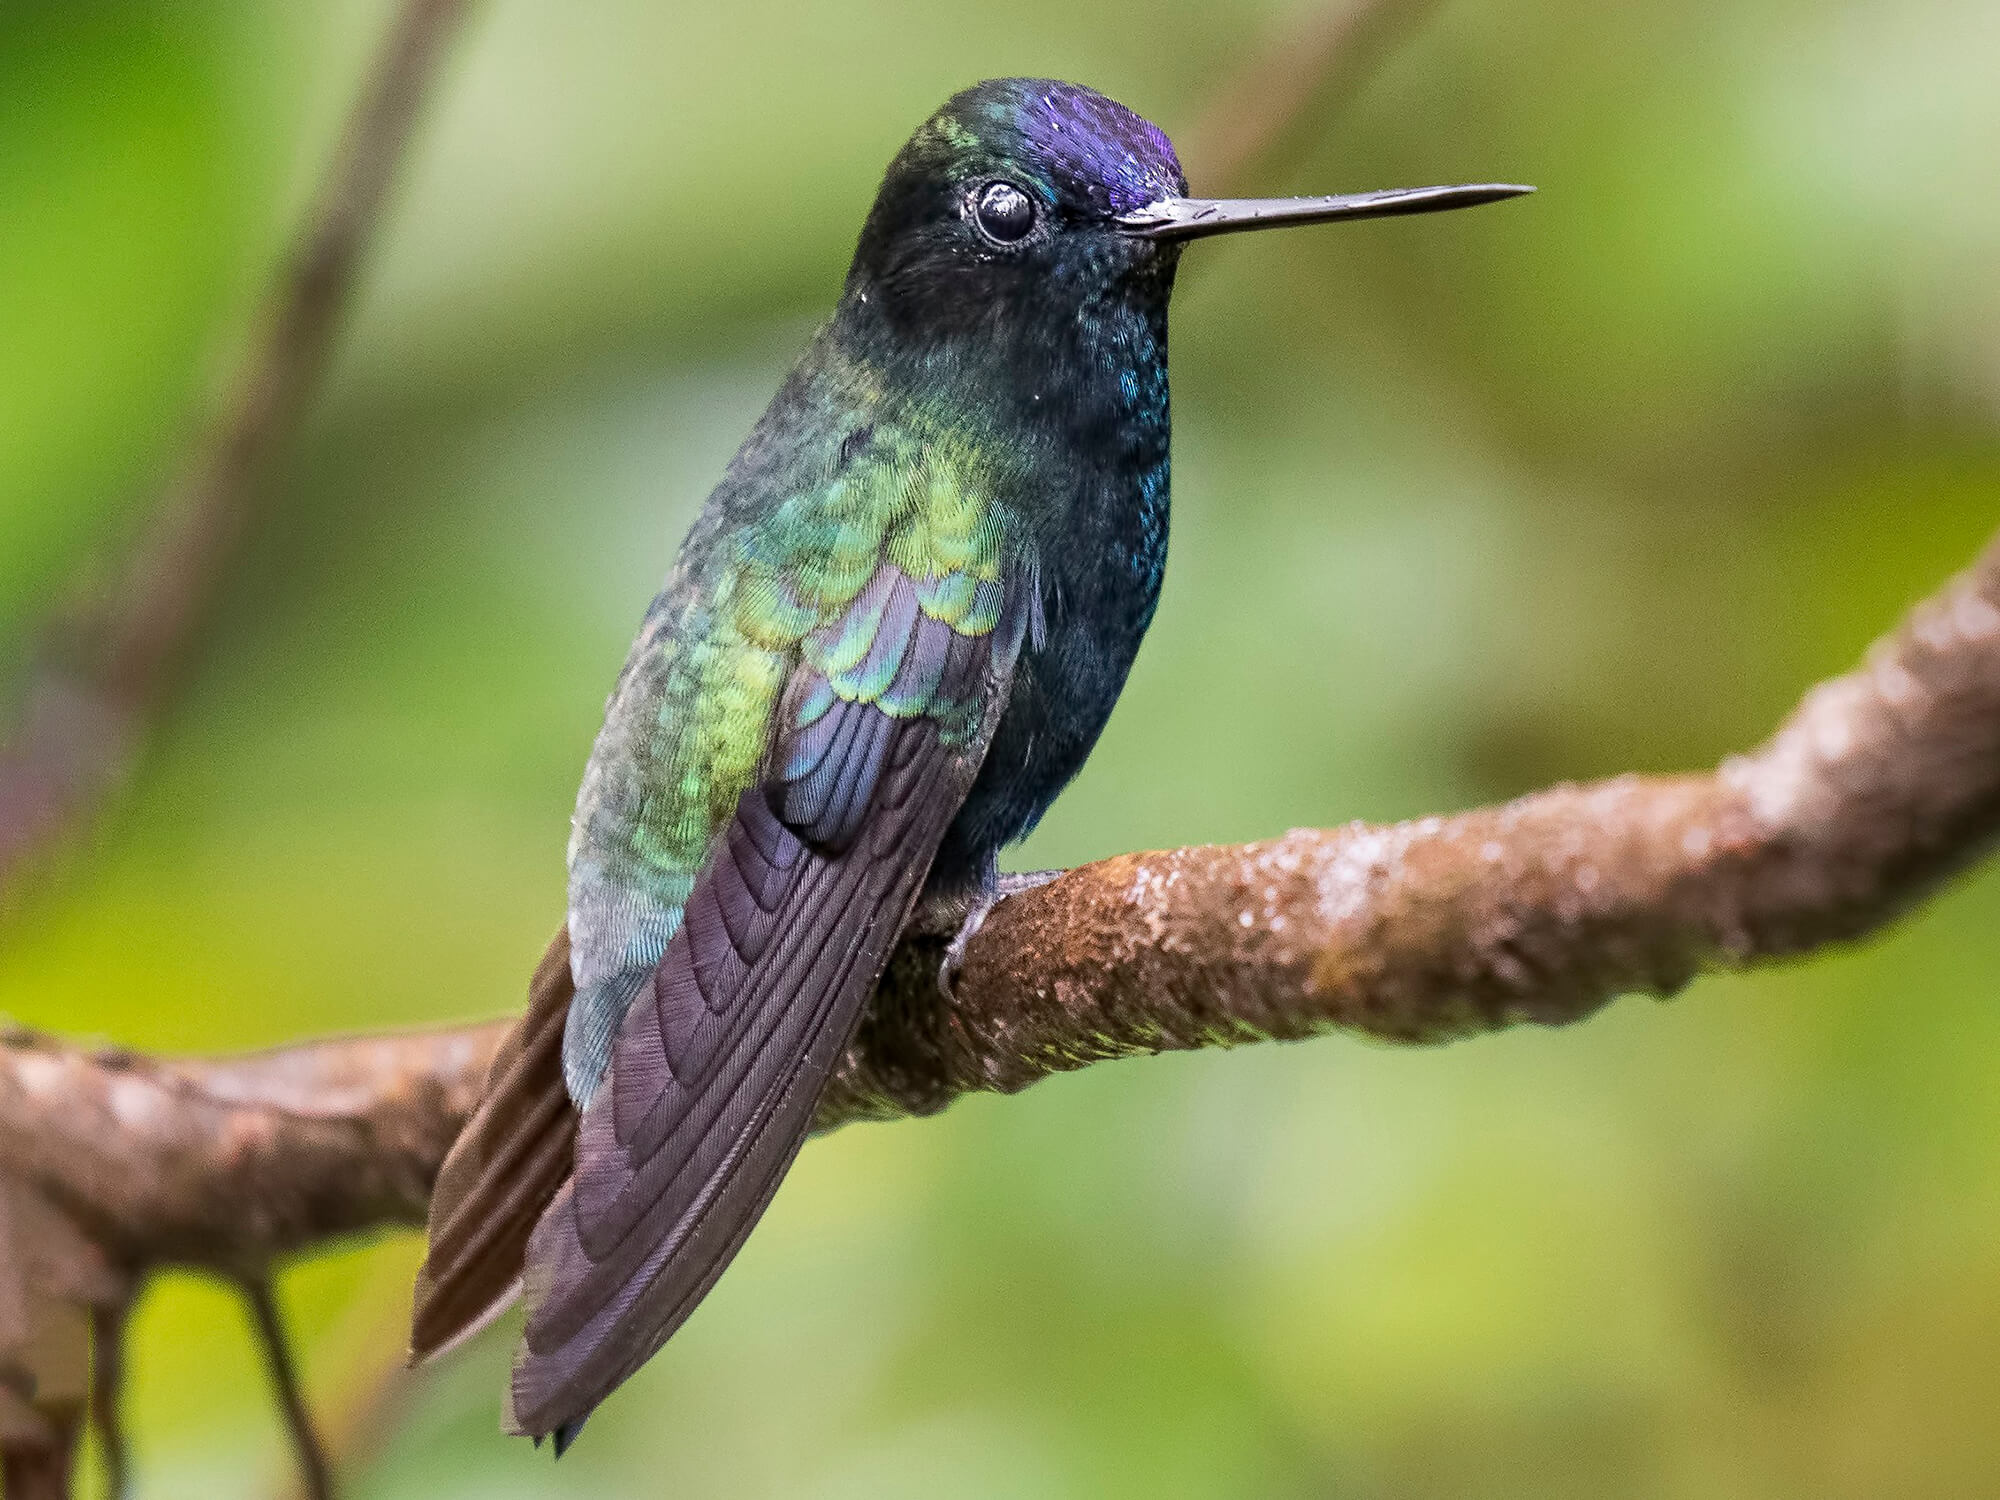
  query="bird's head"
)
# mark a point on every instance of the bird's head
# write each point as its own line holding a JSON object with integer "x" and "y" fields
{"x": 1007, "y": 200}
{"x": 1024, "y": 198}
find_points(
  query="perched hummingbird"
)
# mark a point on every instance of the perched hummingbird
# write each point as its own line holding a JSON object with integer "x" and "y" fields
{"x": 889, "y": 641}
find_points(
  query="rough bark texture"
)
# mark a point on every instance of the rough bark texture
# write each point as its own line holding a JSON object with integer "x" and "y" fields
{"x": 109, "y": 1164}
{"x": 1883, "y": 783}
{"x": 230, "y": 1163}
{"x": 112, "y": 1164}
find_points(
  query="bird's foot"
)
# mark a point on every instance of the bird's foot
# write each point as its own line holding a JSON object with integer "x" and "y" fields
{"x": 991, "y": 893}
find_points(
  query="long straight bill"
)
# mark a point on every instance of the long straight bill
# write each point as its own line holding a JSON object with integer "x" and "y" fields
{"x": 1195, "y": 218}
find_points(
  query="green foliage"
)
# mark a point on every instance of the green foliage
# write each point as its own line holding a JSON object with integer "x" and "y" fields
{"x": 1595, "y": 482}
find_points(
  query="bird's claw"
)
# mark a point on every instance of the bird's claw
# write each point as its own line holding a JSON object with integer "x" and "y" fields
{"x": 996, "y": 890}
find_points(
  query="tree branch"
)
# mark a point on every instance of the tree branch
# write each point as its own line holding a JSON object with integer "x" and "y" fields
{"x": 109, "y": 665}
{"x": 113, "y": 1165}
{"x": 39, "y": 1469}
{"x": 229, "y": 1164}
{"x": 1882, "y": 784}
{"x": 108, "y": 1326}
{"x": 315, "y": 1478}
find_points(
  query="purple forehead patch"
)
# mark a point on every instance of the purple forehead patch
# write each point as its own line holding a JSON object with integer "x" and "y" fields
{"x": 1111, "y": 157}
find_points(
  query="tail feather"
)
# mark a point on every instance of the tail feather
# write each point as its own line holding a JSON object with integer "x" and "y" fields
{"x": 514, "y": 1153}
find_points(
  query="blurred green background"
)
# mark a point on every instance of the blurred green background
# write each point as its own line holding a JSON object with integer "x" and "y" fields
{"x": 1595, "y": 482}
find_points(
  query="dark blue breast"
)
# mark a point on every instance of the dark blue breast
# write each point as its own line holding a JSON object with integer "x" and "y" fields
{"x": 1101, "y": 563}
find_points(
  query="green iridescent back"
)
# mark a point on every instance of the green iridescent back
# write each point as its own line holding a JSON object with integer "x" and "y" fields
{"x": 757, "y": 591}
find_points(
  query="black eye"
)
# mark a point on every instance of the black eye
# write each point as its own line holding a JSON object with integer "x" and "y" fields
{"x": 1004, "y": 213}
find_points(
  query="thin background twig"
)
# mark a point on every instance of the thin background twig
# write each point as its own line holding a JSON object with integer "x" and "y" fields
{"x": 110, "y": 665}
{"x": 108, "y": 1327}
{"x": 42, "y": 1471}
{"x": 1881, "y": 785}
{"x": 315, "y": 1477}
{"x": 1264, "y": 112}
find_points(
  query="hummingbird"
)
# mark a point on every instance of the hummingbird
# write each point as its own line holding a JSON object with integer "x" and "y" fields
{"x": 888, "y": 642}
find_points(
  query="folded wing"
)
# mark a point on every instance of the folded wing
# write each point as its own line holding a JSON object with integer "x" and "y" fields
{"x": 724, "y": 1052}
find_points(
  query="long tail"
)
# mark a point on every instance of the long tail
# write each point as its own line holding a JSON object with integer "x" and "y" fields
{"x": 513, "y": 1155}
